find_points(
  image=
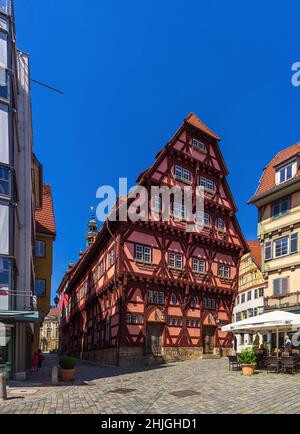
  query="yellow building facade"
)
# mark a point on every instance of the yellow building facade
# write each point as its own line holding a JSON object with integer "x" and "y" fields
{"x": 278, "y": 203}
{"x": 250, "y": 298}
{"x": 43, "y": 262}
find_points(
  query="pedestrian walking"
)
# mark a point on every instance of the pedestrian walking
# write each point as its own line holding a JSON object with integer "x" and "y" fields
{"x": 41, "y": 358}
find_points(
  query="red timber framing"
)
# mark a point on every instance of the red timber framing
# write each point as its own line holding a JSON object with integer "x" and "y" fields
{"x": 170, "y": 301}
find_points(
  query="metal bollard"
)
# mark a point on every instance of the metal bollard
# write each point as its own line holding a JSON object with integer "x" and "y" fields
{"x": 54, "y": 376}
{"x": 3, "y": 391}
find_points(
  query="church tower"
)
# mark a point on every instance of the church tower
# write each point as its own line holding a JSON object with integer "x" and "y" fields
{"x": 92, "y": 229}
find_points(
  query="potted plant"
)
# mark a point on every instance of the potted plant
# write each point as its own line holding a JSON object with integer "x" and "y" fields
{"x": 247, "y": 360}
{"x": 255, "y": 345}
{"x": 67, "y": 368}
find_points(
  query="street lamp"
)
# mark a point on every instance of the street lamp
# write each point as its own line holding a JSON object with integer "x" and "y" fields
{"x": 56, "y": 301}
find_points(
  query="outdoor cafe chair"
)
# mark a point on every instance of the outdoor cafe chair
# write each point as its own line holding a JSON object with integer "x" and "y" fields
{"x": 233, "y": 363}
{"x": 273, "y": 363}
{"x": 287, "y": 363}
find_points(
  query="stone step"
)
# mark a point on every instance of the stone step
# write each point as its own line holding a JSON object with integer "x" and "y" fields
{"x": 211, "y": 356}
{"x": 154, "y": 360}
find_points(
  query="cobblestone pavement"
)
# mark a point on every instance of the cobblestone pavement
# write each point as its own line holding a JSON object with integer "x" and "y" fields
{"x": 203, "y": 386}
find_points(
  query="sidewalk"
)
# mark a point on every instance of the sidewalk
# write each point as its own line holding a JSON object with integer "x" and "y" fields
{"x": 40, "y": 378}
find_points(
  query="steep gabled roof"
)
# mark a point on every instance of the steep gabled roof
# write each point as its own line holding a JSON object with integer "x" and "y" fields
{"x": 193, "y": 120}
{"x": 44, "y": 217}
{"x": 267, "y": 182}
{"x": 255, "y": 252}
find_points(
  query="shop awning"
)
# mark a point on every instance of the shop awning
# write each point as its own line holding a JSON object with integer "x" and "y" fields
{"x": 267, "y": 322}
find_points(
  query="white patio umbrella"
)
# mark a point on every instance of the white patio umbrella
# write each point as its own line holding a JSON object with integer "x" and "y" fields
{"x": 275, "y": 321}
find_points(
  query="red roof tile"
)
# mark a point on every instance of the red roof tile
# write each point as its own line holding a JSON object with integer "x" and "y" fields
{"x": 192, "y": 119}
{"x": 255, "y": 252}
{"x": 44, "y": 217}
{"x": 267, "y": 182}
{"x": 54, "y": 311}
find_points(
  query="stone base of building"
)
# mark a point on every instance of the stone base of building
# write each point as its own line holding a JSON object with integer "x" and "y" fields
{"x": 180, "y": 354}
{"x": 136, "y": 355}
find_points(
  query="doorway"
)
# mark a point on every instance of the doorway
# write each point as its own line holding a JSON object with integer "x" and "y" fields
{"x": 154, "y": 339}
{"x": 208, "y": 340}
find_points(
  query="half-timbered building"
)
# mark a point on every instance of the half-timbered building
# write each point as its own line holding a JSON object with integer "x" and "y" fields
{"x": 151, "y": 289}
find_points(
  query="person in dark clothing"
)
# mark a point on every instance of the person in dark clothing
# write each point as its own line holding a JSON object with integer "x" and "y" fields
{"x": 41, "y": 358}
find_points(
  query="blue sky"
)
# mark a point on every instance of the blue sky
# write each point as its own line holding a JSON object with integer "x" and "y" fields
{"x": 131, "y": 71}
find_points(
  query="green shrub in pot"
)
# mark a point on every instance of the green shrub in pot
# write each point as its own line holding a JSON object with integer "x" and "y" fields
{"x": 247, "y": 360}
{"x": 67, "y": 362}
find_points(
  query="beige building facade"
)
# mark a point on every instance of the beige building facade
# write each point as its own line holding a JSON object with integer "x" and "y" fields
{"x": 278, "y": 203}
{"x": 49, "y": 332}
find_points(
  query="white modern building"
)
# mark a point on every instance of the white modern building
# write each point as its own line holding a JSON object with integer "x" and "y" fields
{"x": 19, "y": 191}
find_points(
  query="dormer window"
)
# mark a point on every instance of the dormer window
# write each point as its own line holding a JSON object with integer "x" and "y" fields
{"x": 286, "y": 172}
{"x": 199, "y": 145}
{"x": 182, "y": 174}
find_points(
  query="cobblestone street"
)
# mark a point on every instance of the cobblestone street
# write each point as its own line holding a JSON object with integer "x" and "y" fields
{"x": 203, "y": 386}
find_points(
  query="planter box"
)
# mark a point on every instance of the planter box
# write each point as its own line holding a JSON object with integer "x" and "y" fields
{"x": 66, "y": 374}
{"x": 248, "y": 369}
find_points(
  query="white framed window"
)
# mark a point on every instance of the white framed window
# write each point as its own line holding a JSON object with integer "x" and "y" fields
{"x": 161, "y": 298}
{"x": 156, "y": 297}
{"x": 150, "y": 297}
{"x": 281, "y": 247}
{"x": 175, "y": 261}
{"x": 111, "y": 258}
{"x": 198, "y": 265}
{"x": 200, "y": 146}
{"x": 179, "y": 210}
{"x": 40, "y": 249}
{"x": 4, "y": 127}
{"x": 4, "y": 83}
{"x": 101, "y": 269}
{"x": 294, "y": 243}
{"x": 182, "y": 173}
{"x": 207, "y": 184}
{"x": 281, "y": 286}
{"x": 224, "y": 271}
{"x": 280, "y": 208}
{"x": 40, "y": 287}
{"x": 3, "y": 23}
{"x": 268, "y": 250}
{"x": 157, "y": 203}
{"x": 143, "y": 254}
{"x": 3, "y": 49}
{"x": 209, "y": 303}
{"x": 261, "y": 292}
{"x": 286, "y": 172}
{"x": 203, "y": 218}
{"x": 249, "y": 295}
{"x": 220, "y": 224}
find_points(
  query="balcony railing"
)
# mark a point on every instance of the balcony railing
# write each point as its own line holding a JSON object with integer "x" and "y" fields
{"x": 287, "y": 301}
{"x": 17, "y": 300}
{"x": 6, "y": 6}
